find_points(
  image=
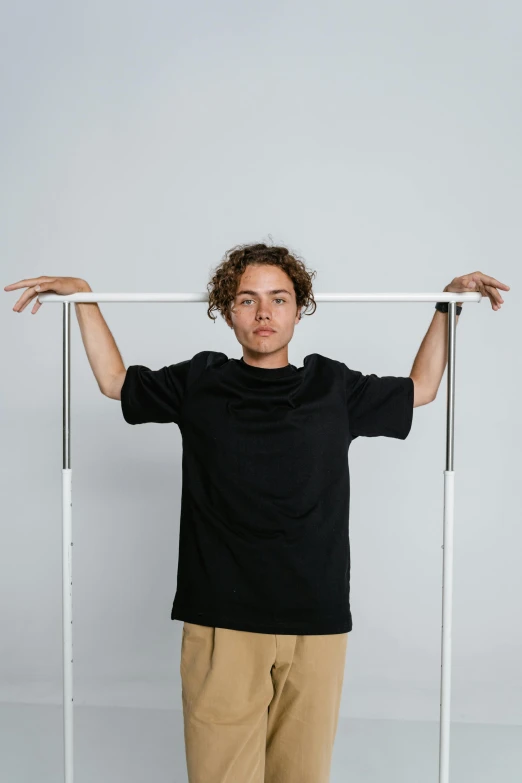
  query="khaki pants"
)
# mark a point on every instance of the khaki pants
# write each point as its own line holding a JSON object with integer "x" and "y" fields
{"x": 260, "y": 708}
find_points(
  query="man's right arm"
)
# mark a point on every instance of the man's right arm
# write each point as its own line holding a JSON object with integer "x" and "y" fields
{"x": 102, "y": 352}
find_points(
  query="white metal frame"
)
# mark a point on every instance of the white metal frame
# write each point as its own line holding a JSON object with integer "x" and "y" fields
{"x": 449, "y": 491}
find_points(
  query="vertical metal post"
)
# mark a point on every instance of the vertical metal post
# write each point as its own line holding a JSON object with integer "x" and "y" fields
{"x": 450, "y": 427}
{"x": 67, "y": 551}
{"x": 67, "y": 385}
{"x": 447, "y": 569}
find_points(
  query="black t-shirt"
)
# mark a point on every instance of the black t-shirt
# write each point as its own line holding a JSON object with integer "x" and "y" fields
{"x": 263, "y": 540}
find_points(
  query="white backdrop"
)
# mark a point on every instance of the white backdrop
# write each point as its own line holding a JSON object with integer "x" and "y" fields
{"x": 380, "y": 142}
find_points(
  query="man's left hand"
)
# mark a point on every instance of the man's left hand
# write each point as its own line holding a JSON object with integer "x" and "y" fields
{"x": 481, "y": 283}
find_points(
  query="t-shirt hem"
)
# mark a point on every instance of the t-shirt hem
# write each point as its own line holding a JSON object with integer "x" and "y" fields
{"x": 235, "y": 622}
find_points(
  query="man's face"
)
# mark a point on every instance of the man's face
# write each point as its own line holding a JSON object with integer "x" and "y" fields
{"x": 265, "y": 297}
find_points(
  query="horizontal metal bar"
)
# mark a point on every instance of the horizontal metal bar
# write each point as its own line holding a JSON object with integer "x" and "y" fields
{"x": 91, "y": 296}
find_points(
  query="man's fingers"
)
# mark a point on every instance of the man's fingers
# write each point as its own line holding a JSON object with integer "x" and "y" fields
{"x": 24, "y": 300}
{"x": 497, "y": 283}
{"x": 28, "y": 300}
{"x": 493, "y": 295}
{"x": 492, "y": 292}
{"x": 24, "y": 283}
{"x": 482, "y": 283}
{"x": 491, "y": 281}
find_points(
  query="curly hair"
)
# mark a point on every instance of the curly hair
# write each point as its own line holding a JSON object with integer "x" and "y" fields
{"x": 222, "y": 286}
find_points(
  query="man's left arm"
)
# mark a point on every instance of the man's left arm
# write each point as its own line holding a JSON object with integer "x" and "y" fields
{"x": 430, "y": 362}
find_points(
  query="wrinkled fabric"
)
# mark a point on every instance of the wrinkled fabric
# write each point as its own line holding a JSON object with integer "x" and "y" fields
{"x": 264, "y": 528}
{"x": 260, "y": 708}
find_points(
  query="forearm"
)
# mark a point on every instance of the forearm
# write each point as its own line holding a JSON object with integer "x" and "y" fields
{"x": 102, "y": 352}
{"x": 430, "y": 362}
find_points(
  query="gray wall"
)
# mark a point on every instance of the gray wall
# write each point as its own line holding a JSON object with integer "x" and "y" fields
{"x": 379, "y": 141}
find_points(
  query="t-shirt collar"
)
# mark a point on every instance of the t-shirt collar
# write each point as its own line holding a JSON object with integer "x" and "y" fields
{"x": 267, "y": 372}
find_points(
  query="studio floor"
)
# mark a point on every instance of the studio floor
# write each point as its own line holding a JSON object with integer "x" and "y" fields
{"x": 123, "y": 745}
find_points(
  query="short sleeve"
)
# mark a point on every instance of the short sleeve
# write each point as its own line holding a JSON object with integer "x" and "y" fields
{"x": 154, "y": 395}
{"x": 378, "y": 405}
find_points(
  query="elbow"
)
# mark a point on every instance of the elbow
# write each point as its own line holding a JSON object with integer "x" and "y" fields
{"x": 422, "y": 395}
{"x": 112, "y": 388}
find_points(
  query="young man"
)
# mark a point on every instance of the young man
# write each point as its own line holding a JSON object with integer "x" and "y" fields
{"x": 263, "y": 580}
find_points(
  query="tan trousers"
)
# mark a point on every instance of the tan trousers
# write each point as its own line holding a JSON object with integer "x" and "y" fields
{"x": 260, "y": 708}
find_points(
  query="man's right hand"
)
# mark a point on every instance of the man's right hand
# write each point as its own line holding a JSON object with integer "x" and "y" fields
{"x": 39, "y": 285}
